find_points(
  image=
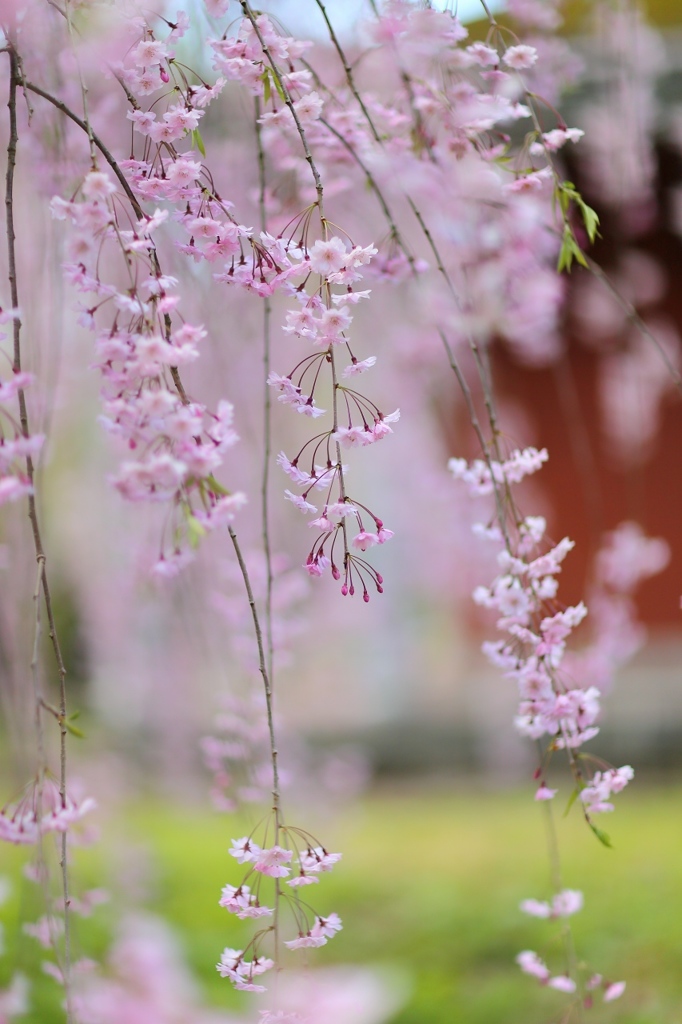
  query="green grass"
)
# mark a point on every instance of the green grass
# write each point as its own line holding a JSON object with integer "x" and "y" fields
{"x": 429, "y": 887}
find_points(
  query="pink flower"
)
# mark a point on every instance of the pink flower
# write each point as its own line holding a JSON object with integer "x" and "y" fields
{"x": 90, "y": 899}
{"x": 327, "y": 926}
{"x": 231, "y": 958}
{"x": 299, "y": 502}
{"x": 142, "y": 119}
{"x": 533, "y": 182}
{"x": 302, "y": 879}
{"x": 147, "y": 81}
{"x": 13, "y": 487}
{"x": 149, "y": 51}
{"x": 360, "y": 257}
{"x": 317, "y": 566}
{"x": 359, "y": 367}
{"x": 221, "y": 511}
{"x": 332, "y": 323}
{"x": 555, "y": 139}
{"x": 63, "y": 817}
{"x": 244, "y": 850}
{"x": 308, "y": 941}
{"x": 271, "y": 862}
{"x": 297, "y": 475}
{"x": 567, "y": 902}
{"x": 317, "y": 859}
{"x": 482, "y": 54}
{"x": 17, "y": 382}
{"x": 327, "y": 257}
{"x": 301, "y": 322}
{"x": 521, "y": 56}
{"x": 543, "y": 793}
{"x": 322, "y": 523}
{"x": 98, "y": 186}
{"x": 45, "y": 930}
{"x": 562, "y": 983}
{"x": 183, "y": 172}
{"x": 353, "y": 437}
{"x": 619, "y": 778}
{"x": 364, "y": 540}
{"x": 381, "y": 426}
{"x": 309, "y": 108}
{"x": 530, "y": 963}
{"x": 536, "y": 908}
{"x": 352, "y": 297}
{"x": 614, "y": 991}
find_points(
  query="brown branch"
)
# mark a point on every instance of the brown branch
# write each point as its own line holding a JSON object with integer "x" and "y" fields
{"x": 98, "y": 142}
{"x": 111, "y": 160}
{"x": 17, "y": 81}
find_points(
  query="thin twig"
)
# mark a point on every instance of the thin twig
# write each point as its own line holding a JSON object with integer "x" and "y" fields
{"x": 319, "y": 188}
{"x": 111, "y": 160}
{"x": 483, "y": 370}
{"x": 267, "y": 410}
{"x": 348, "y": 70}
{"x": 246, "y": 7}
{"x": 16, "y": 81}
{"x": 269, "y": 704}
{"x": 32, "y": 87}
{"x": 635, "y": 319}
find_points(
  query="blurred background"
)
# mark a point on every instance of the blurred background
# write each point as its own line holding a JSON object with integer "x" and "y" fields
{"x": 397, "y": 737}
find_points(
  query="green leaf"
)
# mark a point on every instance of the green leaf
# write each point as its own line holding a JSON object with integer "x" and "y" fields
{"x": 565, "y": 254}
{"x": 198, "y": 141}
{"x": 601, "y": 835}
{"x": 278, "y": 87}
{"x": 215, "y": 487}
{"x": 590, "y": 220}
{"x": 561, "y": 193}
{"x": 571, "y": 800}
{"x": 195, "y": 531}
{"x": 579, "y": 255}
{"x": 267, "y": 89}
{"x": 74, "y": 715}
{"x": 74, "y": 730}
{"x": 570, "y": 250}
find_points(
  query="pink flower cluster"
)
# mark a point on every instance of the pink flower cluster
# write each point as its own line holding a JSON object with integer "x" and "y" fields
{"x": 532, "y": 964}
{"x": 524, "y": 595}
{"x": 553, "y": 702}
{"x": 179, "y": 444}
{"x": 597, "y": 794}
{"x": 443, "y": 141}
{"x": 481, "y": 477}
{"x": 39, "y": 811}
{"x": 324, "y": 320}
{"x": 244, "y": 901}
{"x": 272, "y": 264}
{"x": 241, "y": 58}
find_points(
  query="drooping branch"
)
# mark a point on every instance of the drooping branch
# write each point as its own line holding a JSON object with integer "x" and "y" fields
{"x": 16, "y": 82}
